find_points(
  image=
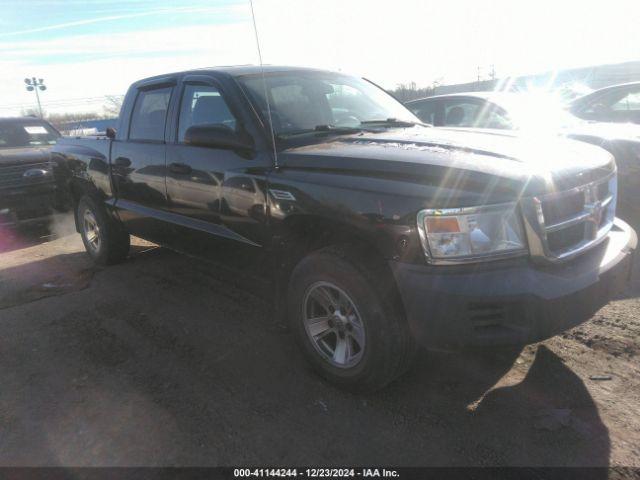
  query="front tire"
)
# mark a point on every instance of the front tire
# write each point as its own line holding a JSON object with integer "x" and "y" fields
{"x": 105, "y": 240}
{"x": 346, "y": 324}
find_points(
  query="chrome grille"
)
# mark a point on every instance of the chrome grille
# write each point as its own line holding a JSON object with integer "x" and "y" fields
{"x": 561, "y": 225}
{"x": 14, "y": 175}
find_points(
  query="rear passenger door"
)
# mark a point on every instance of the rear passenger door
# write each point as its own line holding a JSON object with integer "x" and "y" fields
{"x": 138, "y": 164}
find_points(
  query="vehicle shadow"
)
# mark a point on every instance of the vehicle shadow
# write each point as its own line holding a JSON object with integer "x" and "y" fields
{"x": 532, "y": 415}
{"x": 17, "y": 237}
{"x": 161, "y": 361}
{"x": 12, "y": 238}
{"x": 24, "y": 281}
{"x": 551, "y": 416}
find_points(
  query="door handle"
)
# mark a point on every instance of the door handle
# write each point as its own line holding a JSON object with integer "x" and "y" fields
{"x": 122, "y": 162}
{"x": 181, "y": 168}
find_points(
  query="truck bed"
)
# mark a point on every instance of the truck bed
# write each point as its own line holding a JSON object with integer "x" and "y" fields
{"x": 98, "y": 143}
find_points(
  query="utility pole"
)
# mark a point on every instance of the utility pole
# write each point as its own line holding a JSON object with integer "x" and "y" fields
{"x": 492, "y": 75}
{"x": 34, "y": 84}
{"x": 478, "y": 74}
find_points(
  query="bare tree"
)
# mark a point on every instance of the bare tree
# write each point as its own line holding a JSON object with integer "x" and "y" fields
{"x": 60, "y": 120}
{"x": 31, "y": 112}
{"x": 113, "y": 104}
{"x": 410, "y": 91}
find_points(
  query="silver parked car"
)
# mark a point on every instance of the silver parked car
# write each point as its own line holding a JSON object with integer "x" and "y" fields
{"x": 540, "y": 113}
{"x": 617, "y": 103}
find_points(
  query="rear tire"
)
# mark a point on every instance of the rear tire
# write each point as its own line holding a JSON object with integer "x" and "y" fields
{"x": 333, "y": 307}
{"x": 105, "y": 240}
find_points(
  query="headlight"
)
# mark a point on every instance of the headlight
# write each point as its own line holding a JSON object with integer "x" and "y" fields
{"x": 456, "y": 235}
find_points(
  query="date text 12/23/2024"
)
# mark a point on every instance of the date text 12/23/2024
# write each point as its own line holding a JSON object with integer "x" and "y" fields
{"x": 315, "y": 473}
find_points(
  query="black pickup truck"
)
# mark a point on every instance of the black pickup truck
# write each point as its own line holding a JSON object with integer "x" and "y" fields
{"x": 28, "y": 192}
{"x": 375, "y": 232}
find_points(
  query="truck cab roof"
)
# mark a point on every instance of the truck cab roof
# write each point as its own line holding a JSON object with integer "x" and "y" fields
{"x": 232, "y": 71}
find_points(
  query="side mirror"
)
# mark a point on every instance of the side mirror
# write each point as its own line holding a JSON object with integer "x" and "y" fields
{"x": 111, "y": 133}
{"x": 217, "y": 136}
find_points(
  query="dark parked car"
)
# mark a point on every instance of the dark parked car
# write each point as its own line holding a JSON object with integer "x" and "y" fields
{"x": 28, "y": 191}
{"x": 618, "y": 104}
{"x": 374, "y": 232}
{"x": 540, "y": 114}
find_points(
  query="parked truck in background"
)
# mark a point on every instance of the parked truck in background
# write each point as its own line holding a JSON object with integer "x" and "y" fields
{"x": 28, "y": 188}
{"x": 376, "y": 233}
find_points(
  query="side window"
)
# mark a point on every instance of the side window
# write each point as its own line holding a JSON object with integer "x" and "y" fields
{"x": 201, "y": 105}
{"x": 150, "y": 115}
{"x": 425, "y": 111}
{"x": 630, "y": 102}
{"x": 493, "y": 116}
{"x": 240, "y": 183}
{"x": 461, "y": 113}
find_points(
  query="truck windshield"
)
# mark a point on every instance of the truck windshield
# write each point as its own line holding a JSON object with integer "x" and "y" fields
{"x": 319, "y": 101}
{"x": 26, "y": 134}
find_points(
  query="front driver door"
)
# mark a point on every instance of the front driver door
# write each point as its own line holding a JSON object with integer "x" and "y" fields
{"x": 214, "y": 193}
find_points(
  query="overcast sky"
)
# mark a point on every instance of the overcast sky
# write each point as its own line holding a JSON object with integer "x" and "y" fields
{"x": 85, "y": 49}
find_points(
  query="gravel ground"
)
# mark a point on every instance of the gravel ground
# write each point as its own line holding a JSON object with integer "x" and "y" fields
{"x": 159, "y": 361}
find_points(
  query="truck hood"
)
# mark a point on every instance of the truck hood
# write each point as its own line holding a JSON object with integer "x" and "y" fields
{"x": 531, "y": 164}
{"x": 17, "y": 156}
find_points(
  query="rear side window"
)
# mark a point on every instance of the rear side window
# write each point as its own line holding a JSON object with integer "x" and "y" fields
{"x": 150, "y": 115}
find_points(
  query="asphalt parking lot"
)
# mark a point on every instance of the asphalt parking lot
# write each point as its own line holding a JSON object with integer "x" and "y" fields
{"x": 161, "y": 361}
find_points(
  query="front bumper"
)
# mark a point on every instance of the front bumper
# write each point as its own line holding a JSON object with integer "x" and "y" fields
{"x": 513, "y": 303}
{"x": 33, "y": 204}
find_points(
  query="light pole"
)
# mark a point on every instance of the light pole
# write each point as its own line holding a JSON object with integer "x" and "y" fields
{"x": 33, "y": 85}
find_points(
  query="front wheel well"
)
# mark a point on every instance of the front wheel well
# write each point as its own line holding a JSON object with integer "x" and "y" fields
{"x": 311, "y": 235}
{"x": 77, "y": 189}
{"x": 357, "y": 269}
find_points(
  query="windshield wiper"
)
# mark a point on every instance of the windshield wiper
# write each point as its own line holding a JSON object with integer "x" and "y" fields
{"x": 394, "y": 122}
{"x": 367, "y": 125}
{"x": 322, "y": 129}
{"x": 333, "y": 128}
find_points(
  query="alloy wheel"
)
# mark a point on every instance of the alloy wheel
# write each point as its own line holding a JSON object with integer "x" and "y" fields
{"x": 334, "y": 325}
{"x": 91, "y": 230}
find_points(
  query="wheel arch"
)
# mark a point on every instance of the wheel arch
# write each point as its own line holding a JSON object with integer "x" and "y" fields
{"x": 79, "y": 187}
{"x": 305, "y": 234}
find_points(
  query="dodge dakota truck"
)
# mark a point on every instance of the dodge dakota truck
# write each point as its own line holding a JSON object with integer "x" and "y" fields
{"x": 376, "y": 233}
{"x": 28, "y": 191}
